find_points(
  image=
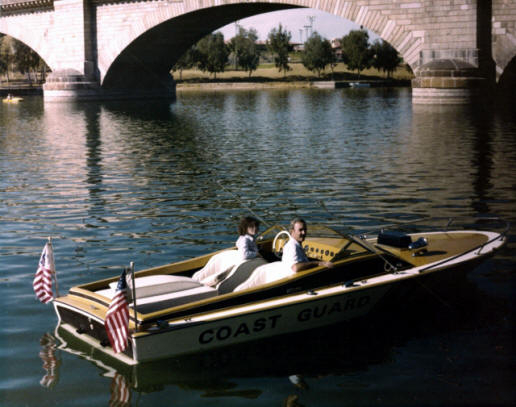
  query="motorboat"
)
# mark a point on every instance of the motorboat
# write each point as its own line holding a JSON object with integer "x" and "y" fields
{"x": 180, "y": 308}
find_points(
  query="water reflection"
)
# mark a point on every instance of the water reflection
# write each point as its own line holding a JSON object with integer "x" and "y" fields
{"x": 213, "y": 373}
{"x": 482, "y": 160}
{"x": 139, "y": 110}
{"x": 51, "y": 361}
{"x": 120, "y": 392}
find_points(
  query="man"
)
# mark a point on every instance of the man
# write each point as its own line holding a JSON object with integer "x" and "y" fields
{"x": 293, "y": 254}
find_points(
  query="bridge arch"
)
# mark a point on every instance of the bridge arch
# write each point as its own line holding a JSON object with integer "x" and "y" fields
{"x": 158, "y": 37}
{"x": 150, "y": 49}
{"x": 504, "y": 46}
{"x": 507, "y": 81}
{"x": 15, "y": 28}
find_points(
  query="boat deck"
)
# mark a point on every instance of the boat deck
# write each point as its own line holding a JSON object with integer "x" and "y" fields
{"x": 440, "y": 246}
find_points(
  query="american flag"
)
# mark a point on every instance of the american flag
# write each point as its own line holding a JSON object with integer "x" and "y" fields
{"x": 42, "y": 283}
{"x": 117, "y": 317}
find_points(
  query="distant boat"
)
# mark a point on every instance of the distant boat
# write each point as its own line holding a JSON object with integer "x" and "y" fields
{"x": 12, "y": 99}
{"x": 359, "y": 85}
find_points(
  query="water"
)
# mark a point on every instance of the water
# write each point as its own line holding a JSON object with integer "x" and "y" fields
{"x": 156, "y": 182}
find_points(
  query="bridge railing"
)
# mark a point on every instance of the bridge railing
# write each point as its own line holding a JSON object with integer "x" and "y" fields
{"x": 7, "y": 6}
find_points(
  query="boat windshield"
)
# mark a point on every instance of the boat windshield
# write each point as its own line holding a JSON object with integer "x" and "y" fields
{"x": 323, "y": 239}
{"x": 313, "y": 232}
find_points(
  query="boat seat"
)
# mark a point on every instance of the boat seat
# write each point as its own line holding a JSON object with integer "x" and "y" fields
{"x": 264, "y": 274}
{"x": 240, "y": 273}
{"x": 174, "y": 299}
{"x": 163, "y": 291}
{"x": 218, "y": 264}
{"x": 150, "y": 286}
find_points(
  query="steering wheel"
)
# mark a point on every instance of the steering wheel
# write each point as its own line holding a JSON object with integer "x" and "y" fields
{"x": 278, "y": 252}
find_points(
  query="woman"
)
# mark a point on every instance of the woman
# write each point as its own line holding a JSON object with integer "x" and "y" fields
{"x": 246, "y": 244}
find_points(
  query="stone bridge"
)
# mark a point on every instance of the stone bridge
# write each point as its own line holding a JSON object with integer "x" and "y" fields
{"x": 125, "y": 48}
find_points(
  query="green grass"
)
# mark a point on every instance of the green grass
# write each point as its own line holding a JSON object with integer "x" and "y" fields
{"x": 268, "y": 72}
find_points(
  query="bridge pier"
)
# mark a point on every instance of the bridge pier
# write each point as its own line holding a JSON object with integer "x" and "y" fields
{"x": 461, "y": 75}
{"x": 448, "y": 82}
{"x": 70, "y": 85}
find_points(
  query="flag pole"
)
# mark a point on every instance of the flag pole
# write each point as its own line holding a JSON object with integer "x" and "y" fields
{"x": 131, "y": 266}
{"x": 54, "y": 272}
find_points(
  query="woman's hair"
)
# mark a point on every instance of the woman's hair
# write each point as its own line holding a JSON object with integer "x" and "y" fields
{"x": 245, "y": 223}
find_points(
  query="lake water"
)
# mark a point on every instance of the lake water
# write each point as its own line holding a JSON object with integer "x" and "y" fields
{"x": 155, "y": 182}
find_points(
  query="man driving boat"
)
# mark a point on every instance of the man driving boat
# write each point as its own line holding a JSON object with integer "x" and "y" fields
{"x": 293, "y": 254}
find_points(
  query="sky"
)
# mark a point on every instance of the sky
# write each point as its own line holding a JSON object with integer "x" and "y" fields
{"x": 327, "y": 25}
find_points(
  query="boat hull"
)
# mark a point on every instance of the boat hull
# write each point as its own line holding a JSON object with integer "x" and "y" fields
{"x": 308, "y": 312}
{"x": 13, "y": 100}
{"x": 292, "y": 314}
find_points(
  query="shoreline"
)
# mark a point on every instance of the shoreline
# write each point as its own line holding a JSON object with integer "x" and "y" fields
{"x": 278, "y": 84}
{"x": 21, "y": 90}
{"x": 185, "y": 86}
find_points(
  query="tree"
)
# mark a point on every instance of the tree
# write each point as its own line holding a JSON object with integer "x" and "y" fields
{"x": 356, "y": 53}
{"x": 212, "y": 53}
{"x": 186, "y": 61}
{"x": 278, "y": 43}
{"x": 245, "y": 50}
{"x": 334, "y": 59}
{"x": 6, "y": 54}
{"x": 385, "y": 57}
{"x": 26, "y": 59}
{"x": 15, "y": 55}
{"x": 317, "y": 54}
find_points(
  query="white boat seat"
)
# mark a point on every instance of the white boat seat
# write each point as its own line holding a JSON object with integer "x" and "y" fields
{"x": 265, "y": 274}
{"x": 150, "y": 286}
{"x": 240, "y": 273}
{"x": 159, "y": 302}
{"x": 163, "y": 291}
{"x": 219, "y": 263}
{"x": 158, "y": 292}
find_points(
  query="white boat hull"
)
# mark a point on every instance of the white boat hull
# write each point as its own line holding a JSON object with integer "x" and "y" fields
{"x": 251, "y": 322}
{"x": 256, "y": 322}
